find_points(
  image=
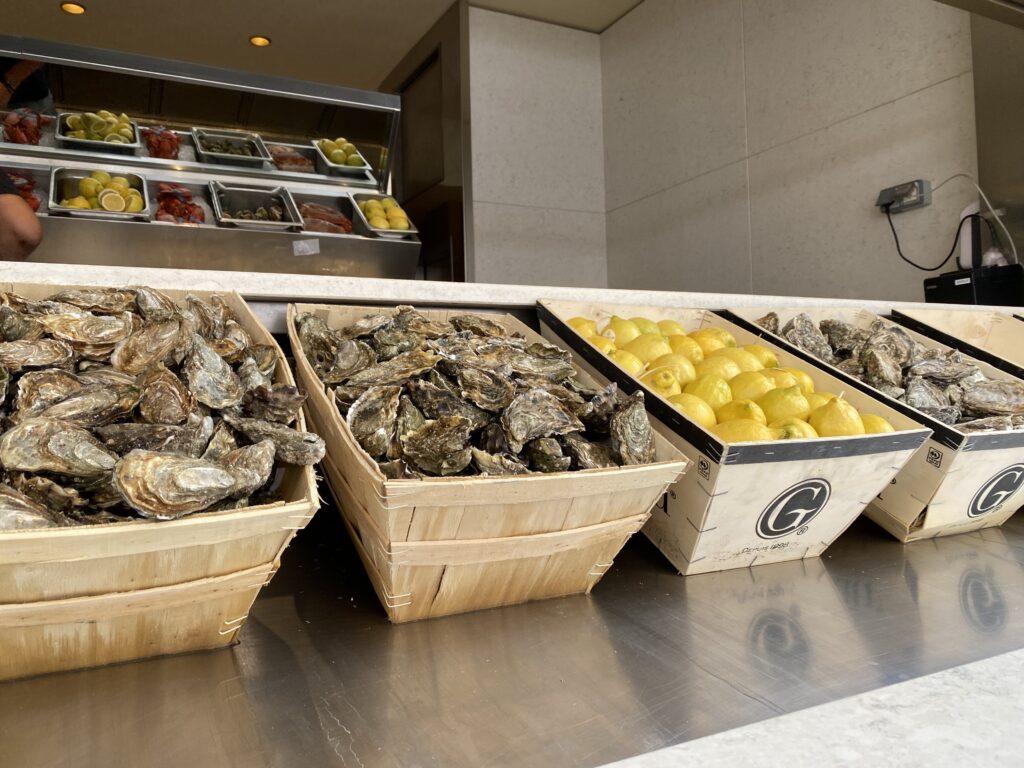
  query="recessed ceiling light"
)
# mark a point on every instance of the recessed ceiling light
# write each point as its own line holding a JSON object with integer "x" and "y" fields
{"x": 259, "y": 41}
{"x": 75, "y": 9}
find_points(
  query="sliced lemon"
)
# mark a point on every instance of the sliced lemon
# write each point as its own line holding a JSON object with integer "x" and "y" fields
{"x": 112, "y": 203}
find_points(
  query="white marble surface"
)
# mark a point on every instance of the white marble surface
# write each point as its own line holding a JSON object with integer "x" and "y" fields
{"x": 968, "y": 715}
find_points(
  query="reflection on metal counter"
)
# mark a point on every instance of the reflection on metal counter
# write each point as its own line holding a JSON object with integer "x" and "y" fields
{"x": 648, "y": 660}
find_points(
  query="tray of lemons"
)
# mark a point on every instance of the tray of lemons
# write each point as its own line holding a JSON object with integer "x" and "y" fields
{"x": 383, "y": 216}
{"x": 100, "y": 131}
{"x": 339, "y": 157}
{"x": 98, "y": 194}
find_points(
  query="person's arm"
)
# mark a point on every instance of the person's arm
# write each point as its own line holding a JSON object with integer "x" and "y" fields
{"x": 20, "y": 231}
{"x": 13, "y": 78}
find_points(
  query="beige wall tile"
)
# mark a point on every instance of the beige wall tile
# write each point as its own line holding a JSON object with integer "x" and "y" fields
{"x": 811, "y": 63}
{"x": 539, "y": 246}
{"x": 692, "y": 237}
{"x": 673, "y": 95}
{"x": 535, "y": 93}
{"x": 815, "y": 230}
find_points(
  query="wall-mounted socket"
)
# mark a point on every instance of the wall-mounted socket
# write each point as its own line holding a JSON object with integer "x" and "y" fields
{"x": 904, "y": 197}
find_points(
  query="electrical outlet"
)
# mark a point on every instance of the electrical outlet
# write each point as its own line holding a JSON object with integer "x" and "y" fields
{"x": 904, "y": 197}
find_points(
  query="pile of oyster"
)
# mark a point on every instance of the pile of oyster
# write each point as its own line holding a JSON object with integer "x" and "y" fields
{"x": 939, "y": 383}
{"x": 117, "y": 404}
{"x": 464, "y": 396}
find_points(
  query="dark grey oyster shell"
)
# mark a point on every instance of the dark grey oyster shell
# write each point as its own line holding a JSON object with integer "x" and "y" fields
{"x": 408, "y": 319}
{"x": 108, "y": 301}
{"x": 440, "y": 447}
{"x": 319, "y": 343}
{"x": 210, "y": 317}
{"x": 391, "y": 341}
{"x": 843, "y": 337}
{"x": 492, "y": 439}
{"x": 222, "y": 442}
{"x": 586, "y": 454}
{"x": 43, "y": 490}
{"x": 802, "y": 332}
{"x": 851, "y": 367}
{"x": 892, "y": 340}
{"x": 896, "y": 393}
{"x": 92, "y": 336}
{"x": 251, "y": 466}
{"x": 410, "y": 418}
{"x": 373, "y": 419}
{"x": 921, "y": 393}
{"x": 632, "y": 439}
{"x": 95, "y": 405}
{"x": 20, "y": 513}
{"x": 158, "y": 342}
{"x": 366, "y": 326}
{"x": 351, "y": 357}
{"x": 38, "y": 390}
{"x": 293, "y": 447}
{"x": 545, "y": 455}
{"x": 14, "y": 326}
{"x": 943, "y": 370}
{"x": 435, "y": 402}
{"x": 947, "y": 414}
{"x": 879, "y": 368}
{"x": 37, "y": 353}
{"x": 232, "y": 345}
{"x": 398, "y": 470}
{"x": 165, "y": 400}
{"x": 250, "y": 376}
{"x": 265, "y": 356}
{"x": 166, "y": 486}
{"x": 153, "y": 305}
{"x": 987, "y": 424}
{"x": 497, "y": 464}
{"x": 210, "y": 379}
{"x": 477, "y": 325}
{"x": 397, "y": 370}
{"x": 536, "y": 413}
{"x": 488, "y": 390}
{"x": 280, "y": 403}
{"x": 992, "y": 397}
{"x": 45, "y": 445}
{"x": 769, "y": 322}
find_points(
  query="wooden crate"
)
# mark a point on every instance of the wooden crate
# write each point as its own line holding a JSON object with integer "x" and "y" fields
{"x": 438, "y": 546}
{"x": 56, "y": 635}
{"x": 993, "y": 337}
{"x": 54, "y": 564}
{"x": 749, "y": 503}
{"x": 956, "y": 482}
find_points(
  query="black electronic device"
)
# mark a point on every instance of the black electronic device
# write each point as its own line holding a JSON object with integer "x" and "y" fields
{"x": 995, "y": 286}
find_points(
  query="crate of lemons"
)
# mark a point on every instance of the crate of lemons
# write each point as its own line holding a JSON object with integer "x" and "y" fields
{"x": 101, "y": 191}
{"x": 738, "y": 393}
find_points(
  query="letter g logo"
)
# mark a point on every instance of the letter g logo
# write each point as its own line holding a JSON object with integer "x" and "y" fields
{"x": 794, "y": 508}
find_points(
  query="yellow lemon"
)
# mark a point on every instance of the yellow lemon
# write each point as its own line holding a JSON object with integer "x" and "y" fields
{"x": 680, "y": 366}
{"x": 794, "y": 429}
{"x": 708, "y": 341}
{"x": 620, "y": 330}
{"x": 782, "y": 404}
{"x": 684, "y": 345}
{"x": 670, "y": 328}
{"x": 583, "y": 326}
{"x": 648, "y": 346}
{"x": 744, "y": 431}
{"x": 713, "y": 390}
{"x": 101, "y": 176}
{"x": 727, "y": 338}
{"x": 875, "y": 425}
{"x": 606, "y": 345}
{"x": 837, "y": 418}
{"x": 763, "y": 354}
{"x": 719, "y": 366}
{"x": 740, "y": 409}
{"x": 628, "y": 362}
{"x": 645, "y": 325}
{"x": 818, "y": 399}
{"x": 750, "y": 385}
{"x": 782, "y": 379}
{"x": 745, "y": 360}
{"x": 695, "y": 408}
{"x": 662, "y": 381}
{"x": 802, "y": 378}
{"x": 134, "y": 204}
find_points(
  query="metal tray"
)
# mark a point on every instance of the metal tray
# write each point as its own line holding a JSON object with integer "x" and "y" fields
{"x": 390, "y": 234}
{"x": 225, "y": 198}
{"x": 327, "y": 168}
{"x": 63, "y": 178}
{"x": 343, "y": 204}
{"x": 96, "y": 146}
{"x": 233, "y": 137}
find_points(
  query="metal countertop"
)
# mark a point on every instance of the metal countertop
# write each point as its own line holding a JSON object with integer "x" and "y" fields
{"x": 648, "y": 660}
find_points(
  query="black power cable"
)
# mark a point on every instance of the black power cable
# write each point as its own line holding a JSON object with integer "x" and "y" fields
{"x": 956, "y": 241}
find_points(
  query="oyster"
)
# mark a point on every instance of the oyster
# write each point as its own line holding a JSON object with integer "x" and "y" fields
{"x": 319, "y": 343}
{"x": 802, "y": 332}
{"x": 165, "y": 486}
{"x": 37, "y": 353}
{"x": 391, "y": 341}
{"x": 397, "y": 470}
{"x": 264, "y": 356}
{"x": 351, "y": 357}
{"x": 892, "y": 340}
{"x": 153, "y": 305}
{"x": 545, "y": 455}
{"x": 896, "y": 393}
{"x": 373, "y": 419}
{"x": 5, "y": 383}
{"x": 487, "y": 389}
{"x": 95, "y": 405}
{"x": 947, "y": 414}
{"x": 435, "y": 402}
{"x": 843, "y": 337}
{"x": 410, "y": 418}
{"x": 293, "y": 447}
{"x": 600, "y": 408}
{"x": 408, "y": 319}
{"x": 108, "y": 301}
{"x": 769, "y": 322}
{"x": 851, "y": 367}
{"x": 92, "y": 336}
{"x": 251, "y": 466}
{"x": 526, "y": 365}
{"x": 492, "y": 439}
{"x": 993, "y": 397}
{"x": 632, "y": 439}
{"x": 440, "y": 447}
{"x": 123, "y": 438}
{"x": 921, "y": 393}
{"x": 879, "y": 368}
{"x": 46, "y": 445}
{"x": 233, "y": 343}
{"x": 987, "y": 424}
{"x": 943, "y": 369}
{"x": 103, "y": 374}
{"x": 20, "y": 513}
{"x": 497, "y": 464}
{"x": 14, "y": 326}
{"x": 477, "y": 325}
{"x": 250, "y": 376}
{"x": 38, "y": 390}
{"x": 159, "y": 342}
{"x": 366, "y": 326}
{"x": 586, "y": 454}
{"x": 211, "y": 379}
{"x": 397, "y": 370}
{"x": 222, "y": 442}
{"x": 210, "y": 317}
{"x": 43, "y": 490}
{"x": 280, "y": 403}
{"x": 165, "y": 400}
{"x": 536, "y": 413}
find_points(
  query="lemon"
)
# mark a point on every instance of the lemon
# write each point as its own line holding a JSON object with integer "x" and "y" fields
{"x": 802, "y": 378}
{"x": 583, "y": 326}
{"x": 744, "y": 431}
{"x": 648, "y": 346}
{"x": 713, "y": 390}
{"x": 763, "y": 354}
{"x": 101, "y": 176}
{"x": 670, "y": 328}
{"x": 818, "y": 399}
{"x": 89, "y": 187}
{"x": 787, "y": 403}
{"x": 106, "y": 114}
{"x": 837, "y": 418}
{"x": 74, "y": 122}
{"x": 355, "y": 161}
{"x": 750, "y": 385}
{"x": 127, "y": 132}
{"x": 740, "y": 409}
{"x": 93, "y": 202}
{"x": 645, "y": 325}
{"x": 112, "y": 203}
{"x": 327, "y": 146}
{"x": 745, "y": 360}
{"x": 340, "y": 141}
{"x": 620, "y": 330}
{"x": 78, "y": 202}
{"x": 134, "y": 205}
{"x": 627, "y": 361}
{"x": 389, "y": 202}
{"x": 663, "y": 382}
{"x": 695, "y": 408}
{"x": 727, "y": 338}
{"x": 348, "y": 146}
{"x": 719, "y": 366}
{"x": 782, "y": 379}
{"x": 679, "y": 365}
{"x": 794, "y": 429}
{"x": 607, "y": 346}
{"x": 708, "y": 341}
{"x": 684, "y": 345}
{"x": 379, "y": 222}
{"x": 875, "y": 425}
{"x": 399, "y": 223}
{"x": 337, "y": 156}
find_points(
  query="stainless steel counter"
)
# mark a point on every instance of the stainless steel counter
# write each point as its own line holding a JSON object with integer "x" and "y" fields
{"x": 650, "y": 659}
